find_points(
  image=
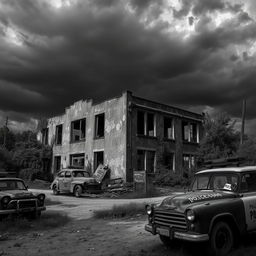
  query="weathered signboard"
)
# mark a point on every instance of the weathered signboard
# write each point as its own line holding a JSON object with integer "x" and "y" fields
{"x": 100, "y": 173}
{"x": 139, "y": 176}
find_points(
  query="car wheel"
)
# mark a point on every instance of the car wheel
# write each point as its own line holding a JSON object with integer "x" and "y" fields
{"x": 78, "y": 190}
{"x": 55, "y": 190}
{"x": 221, "y": 239}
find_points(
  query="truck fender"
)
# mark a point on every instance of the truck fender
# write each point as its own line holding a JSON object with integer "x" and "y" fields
{"x": 222, "y": 216}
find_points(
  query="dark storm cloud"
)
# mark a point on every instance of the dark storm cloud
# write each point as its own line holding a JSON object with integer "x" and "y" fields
{"x": 96, "y": 49}
{"x": 199, "y": 7}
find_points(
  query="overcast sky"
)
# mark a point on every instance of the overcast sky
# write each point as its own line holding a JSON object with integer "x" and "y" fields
{"x": 196, "y": 54}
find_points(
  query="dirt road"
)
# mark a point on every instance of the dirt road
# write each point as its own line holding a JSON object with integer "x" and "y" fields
{"x": 82, "y": 208}
{"x": 84, "y": 236}
{"x": 90, "y": 238}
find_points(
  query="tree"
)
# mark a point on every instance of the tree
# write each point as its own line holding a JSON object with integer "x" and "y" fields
{"x": 32, "y": 157}
{"x": 220, "y": 138}
{"x": 7, "y": 138}
{"x": 247, "y": 151}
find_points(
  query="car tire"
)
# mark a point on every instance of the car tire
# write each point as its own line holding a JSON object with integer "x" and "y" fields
{"x": 78, "y": 190}
{"x": 55, "y": 190}
{"x": 221, "y": 239}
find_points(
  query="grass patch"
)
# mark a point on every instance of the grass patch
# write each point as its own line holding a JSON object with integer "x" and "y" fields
{"x": 121, "y": 211}
{"x": 138, "y": 194}
{"x": 48, "y": 220}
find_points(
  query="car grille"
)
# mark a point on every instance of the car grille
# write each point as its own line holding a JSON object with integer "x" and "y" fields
{"x": 27, "y": 203}
{"x": 22, "y": 204}
{"x": 172, "y": 219}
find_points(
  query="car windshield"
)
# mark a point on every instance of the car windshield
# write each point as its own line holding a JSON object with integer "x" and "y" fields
{"x": 215, "y": 181}
{"x": 12, "y": 185}
{"x": 80, "y": 174}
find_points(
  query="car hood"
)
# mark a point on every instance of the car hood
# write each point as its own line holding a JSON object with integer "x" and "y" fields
{"x": 183, "y": 200}
{"x": 17, "y": 194}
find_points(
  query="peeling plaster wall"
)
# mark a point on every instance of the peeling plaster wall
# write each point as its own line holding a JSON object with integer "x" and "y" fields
{"x": 114, "y": 140}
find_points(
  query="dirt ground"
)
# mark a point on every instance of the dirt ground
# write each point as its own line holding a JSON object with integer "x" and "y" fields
{"x": 101, "y": 237}
{"x": 89, "y": 237}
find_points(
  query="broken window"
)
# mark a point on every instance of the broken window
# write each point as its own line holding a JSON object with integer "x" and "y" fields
{"x": 99, "y": 125}
{"x": 58, "y": 134}
{"x": 98, "y": 159}
{"x": 145, "y": 123}
{"x": 45, "y": 132}
{"x": 169, "y": 161}
{"x": 193, "y": 132}
{"x": 77, "y": 160}
{"x": 150, "y": 161}
{"x": 185, "y": 131}
{"x": 168, "y": 128}
{"x": 140, "y": 123}
{"x": 150, "y": 124}
{"x": 188, "y": 161}
{"x": 190, "y": 132}
{"x": 141, "y": 160}
{"x": 57, "y": 164}
{"x": 146, "y": 160}
{"x": 78, "y": 130}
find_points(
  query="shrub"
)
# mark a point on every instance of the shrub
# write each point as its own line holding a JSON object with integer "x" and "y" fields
{"x": 167, "y": 178}
{"x": 121, "y": 211}
{"x": 28, "y": 174}
{"x": 31, "y": 174}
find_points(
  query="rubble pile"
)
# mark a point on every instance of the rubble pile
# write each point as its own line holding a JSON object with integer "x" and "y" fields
{"x": 117, "y": 187}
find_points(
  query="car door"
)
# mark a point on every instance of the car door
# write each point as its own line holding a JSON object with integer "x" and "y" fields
{"x": 248, "y": 190}
{"x": 67, "y": 180}
{"x": 60, "y": 180}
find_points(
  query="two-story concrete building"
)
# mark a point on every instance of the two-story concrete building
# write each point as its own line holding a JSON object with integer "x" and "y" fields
{"x": 127, "y": 133}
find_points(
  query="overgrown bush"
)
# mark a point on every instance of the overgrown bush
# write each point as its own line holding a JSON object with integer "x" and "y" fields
{"x": 31, "y": 174}
{"x": 166, "y": 177}
{"x": 27, "y": 174}
{"x": 171, "y": 179}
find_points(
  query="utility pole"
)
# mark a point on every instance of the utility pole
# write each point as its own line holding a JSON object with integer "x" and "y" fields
{"x": 243, "y": 121}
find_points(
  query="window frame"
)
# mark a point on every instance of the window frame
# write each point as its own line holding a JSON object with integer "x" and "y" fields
{"x": 145, "y": 160}
{"x": 96, "y": 126}
{"x": 146, "y": 130}
{"x": 77, "y": 156}
{"x": 189, "y": 132}
{"x": 81, "y": 139}
{"x": 165, "y": 118}
{"x": 57, "y": 134}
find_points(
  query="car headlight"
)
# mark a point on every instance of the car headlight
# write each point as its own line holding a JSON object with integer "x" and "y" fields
{"x": 41, "y": 197}
{"x": 6, "y": 200}
{"x": 149, "y": 209}
{"x": 191, "y": 215}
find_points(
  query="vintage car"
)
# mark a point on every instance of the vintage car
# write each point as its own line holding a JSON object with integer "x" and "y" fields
{"x": 219, "y": 207}
{"x": 76, "y": 181}
{"x": 15, "y": 199}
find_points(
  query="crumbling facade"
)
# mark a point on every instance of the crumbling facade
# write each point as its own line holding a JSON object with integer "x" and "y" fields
{"x": 127, "y": 133}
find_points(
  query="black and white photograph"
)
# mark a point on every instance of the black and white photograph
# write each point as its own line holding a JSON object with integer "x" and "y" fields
{"x": 127, "y": 127}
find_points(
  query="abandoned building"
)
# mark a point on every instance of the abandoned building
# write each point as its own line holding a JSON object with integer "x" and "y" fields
{"x": 127, "y": 133}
